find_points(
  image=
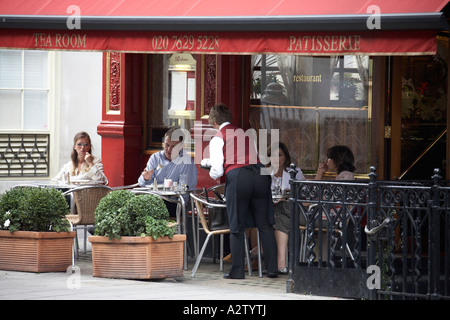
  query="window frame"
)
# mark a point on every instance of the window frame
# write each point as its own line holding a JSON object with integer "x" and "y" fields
{"x": 53, "y": 113}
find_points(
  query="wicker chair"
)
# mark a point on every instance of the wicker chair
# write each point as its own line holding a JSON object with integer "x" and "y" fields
{"x": 84, "y": 202}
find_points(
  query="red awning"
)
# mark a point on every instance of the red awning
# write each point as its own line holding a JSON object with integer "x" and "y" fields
{"x": 220, "y": 27}
{"x": 180, "y": 8}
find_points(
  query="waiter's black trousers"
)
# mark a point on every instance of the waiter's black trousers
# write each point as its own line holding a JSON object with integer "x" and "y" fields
{"x": 249, "y": 204}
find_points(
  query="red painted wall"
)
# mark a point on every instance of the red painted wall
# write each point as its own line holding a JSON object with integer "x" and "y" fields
{"x": 121, "y": 129}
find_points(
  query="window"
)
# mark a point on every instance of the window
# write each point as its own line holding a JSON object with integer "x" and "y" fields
{"x": 349, "y": 80}
{"x": 23, "y": 90}
{"x": 24, "y": 121}
{"x": 424, "y": 113}
{"x": 315, "y": 103}
{"x": 172, "y": 94}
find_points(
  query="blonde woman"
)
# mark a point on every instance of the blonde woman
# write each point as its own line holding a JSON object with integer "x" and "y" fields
{"x": 83, "y": 165}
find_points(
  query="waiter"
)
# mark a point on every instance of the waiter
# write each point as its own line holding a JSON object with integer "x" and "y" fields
{"x": 247, "y": 191}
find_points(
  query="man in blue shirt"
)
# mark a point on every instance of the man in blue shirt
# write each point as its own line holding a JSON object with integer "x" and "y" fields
{"x": 170, "y": 163}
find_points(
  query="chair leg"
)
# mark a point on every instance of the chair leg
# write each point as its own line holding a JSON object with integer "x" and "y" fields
{"x": 302, "y": 245}
{"x": 85, "y": 239}
{"x": 350, "y": 252}
{"x": 247, "y": 254}
{"x": 75, "y": 243}
{"x": 194, "y": 229}
{"x": 259, "y": 254}
{"x": 213, "y": 248}
{"x": 346, "y": 245}
{"x": 221, "y": 252}
{"x": 73, "y": 246}
{"x": 200, "y": 255}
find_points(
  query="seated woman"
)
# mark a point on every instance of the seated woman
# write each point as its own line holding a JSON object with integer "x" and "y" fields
{"x": 340, "y": 159}
{"x": 83, "y": 165}
{"x": 281, "y": 159}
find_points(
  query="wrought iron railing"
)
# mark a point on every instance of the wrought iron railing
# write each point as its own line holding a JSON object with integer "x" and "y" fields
{"x": 24, "y": 155}
{"x": 370, "y": 239}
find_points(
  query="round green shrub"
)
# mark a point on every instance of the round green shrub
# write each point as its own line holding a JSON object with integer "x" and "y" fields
{"x": 122, "y": 213}
{"x": 141, "y": 207}
{"x": 108, "y": 218}
{"x": 34, "y": 209}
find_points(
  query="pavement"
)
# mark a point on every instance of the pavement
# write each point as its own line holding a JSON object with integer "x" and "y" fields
{"x": 208, "y": 284}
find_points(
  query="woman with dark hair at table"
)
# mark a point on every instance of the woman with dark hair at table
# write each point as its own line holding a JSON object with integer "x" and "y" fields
{"x": 280, "y": 161}
{"x": 340, "y": 159}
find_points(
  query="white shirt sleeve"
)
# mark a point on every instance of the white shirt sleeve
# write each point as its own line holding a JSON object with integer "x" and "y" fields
{"x": 151, "y": 164}
{"x": 216, "y": 157}
{"x": 95, "y": 174}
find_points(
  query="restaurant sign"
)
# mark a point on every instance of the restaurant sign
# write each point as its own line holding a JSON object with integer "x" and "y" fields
{"x": 301, "y": 43}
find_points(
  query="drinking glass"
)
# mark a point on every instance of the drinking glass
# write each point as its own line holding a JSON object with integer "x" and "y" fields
{"x": 183, "y": 182}
{"x": 167, "y": 184}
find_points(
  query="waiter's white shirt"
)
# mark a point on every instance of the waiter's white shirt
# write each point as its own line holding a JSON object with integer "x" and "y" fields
{"x": 216, "y": 155}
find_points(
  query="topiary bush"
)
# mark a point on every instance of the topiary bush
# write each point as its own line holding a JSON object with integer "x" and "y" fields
{"x": 108, "y": 222}
{"x": 122, "y": 213}
{"x": 141, "y": 207}
{"x": 34, "y": 209}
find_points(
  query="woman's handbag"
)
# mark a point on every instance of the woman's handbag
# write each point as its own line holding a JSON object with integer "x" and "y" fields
{"x": 217, "y": 216}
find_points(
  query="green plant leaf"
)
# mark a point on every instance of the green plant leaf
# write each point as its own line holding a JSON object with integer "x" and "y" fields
{"x": 122, "y": 213}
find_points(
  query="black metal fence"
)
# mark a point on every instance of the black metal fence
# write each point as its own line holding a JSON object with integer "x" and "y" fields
{"x": 370, "y": 239}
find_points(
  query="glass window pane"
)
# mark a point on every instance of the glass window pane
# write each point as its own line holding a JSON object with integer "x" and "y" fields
{"x": 350, "y": 62}
{"x": 334, "y": 87}
{"x": 327, "y": 105}
{"x": 173, "y": 96}
{"x": 35, "y": 69}
{"x": 35, "y": 110}
{"x": 10, "y": 101}
{"x": 349, "y": 89}
{"x": 10, "y": 69}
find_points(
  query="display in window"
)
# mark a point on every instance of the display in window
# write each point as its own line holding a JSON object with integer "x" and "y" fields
{"x": 182, "y": 85}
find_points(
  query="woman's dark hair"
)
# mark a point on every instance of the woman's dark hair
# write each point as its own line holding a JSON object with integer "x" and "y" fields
{"x": 342, "y": 157}
{"x": 287, "y": 156}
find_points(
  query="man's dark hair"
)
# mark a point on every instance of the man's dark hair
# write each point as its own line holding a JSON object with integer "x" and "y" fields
{"x": 170, "y": 132}
{"x": 220, "y": 114}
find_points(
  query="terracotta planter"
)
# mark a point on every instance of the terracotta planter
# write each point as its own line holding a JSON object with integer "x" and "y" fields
{"x": 36, "y": 251}
{"x": 137, "y": 257}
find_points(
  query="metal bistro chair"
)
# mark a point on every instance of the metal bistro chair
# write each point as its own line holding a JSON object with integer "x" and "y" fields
{"x": 130, "y": 186}
{"x": 84, "y": 201}
{"x": 217, "y": 190}
{"x": 199, "y": 203}
{"x": 312, "y": 210}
